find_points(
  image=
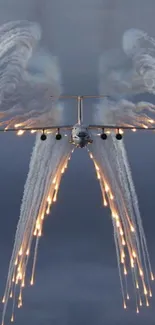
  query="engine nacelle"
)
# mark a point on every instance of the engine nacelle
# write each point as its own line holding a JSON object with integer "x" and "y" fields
{"x": 43, "y": 137}
{"x": 58, "y": 136}
{"x": 103, "y": 136}
{"x": 119, "y": 136}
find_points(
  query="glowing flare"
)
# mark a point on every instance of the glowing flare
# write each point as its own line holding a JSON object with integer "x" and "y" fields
{"x": 54, "y": 180}
{"x": 55, "y": 197}
{"x": 35, "y": 233}
{"x": 132, "y": 262}
{"x": 106, "y": 188}
{"x": 145, "y": 291}
{"x": 27, "y": 252}
{"x": 38, "y": 226}
{"x": 42, "y": 216}
{"x": 48, "y": 210}
{"x": 23, "y": 284}
{"x": 20, "y": 132}
{"x": 121, "y": 131}
{"x": 21, "y": 251}
{"x": 49, "y": 200}
{"x": 56, "y": 186}
{"x": 3, "y": 300}
{"x": 12, "y": 318}
{"x": 97, "y": 168}
{"x": 18, "y": 125}
{"x": 123, "y": 242}
{"x": 117, "y": 223}
{"x": 132, "y": 229}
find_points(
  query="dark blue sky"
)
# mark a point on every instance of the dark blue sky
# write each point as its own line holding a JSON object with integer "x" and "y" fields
{"x": 77, "y": 280}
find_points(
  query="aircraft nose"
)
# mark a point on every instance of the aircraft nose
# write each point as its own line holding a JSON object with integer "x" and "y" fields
{"x": 82, "y": 134}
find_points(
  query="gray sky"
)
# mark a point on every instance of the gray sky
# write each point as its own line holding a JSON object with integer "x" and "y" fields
{"x": 77, "y": 280}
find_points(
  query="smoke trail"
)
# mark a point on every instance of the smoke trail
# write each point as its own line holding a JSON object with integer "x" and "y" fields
{"x": 126, "y": 72}
{"x": 112, "y": 172}
{"x": 17, "y": 40}
{"x": 131, "y": 69}
{"x": 47, "y": 165}
{"x": 28, "y": 76}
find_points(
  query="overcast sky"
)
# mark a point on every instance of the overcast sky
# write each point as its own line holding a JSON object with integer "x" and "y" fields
{"x": 77, "y": 280}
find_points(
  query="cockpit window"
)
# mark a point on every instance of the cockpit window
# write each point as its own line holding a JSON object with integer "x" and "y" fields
{"x": 82, "y": 134}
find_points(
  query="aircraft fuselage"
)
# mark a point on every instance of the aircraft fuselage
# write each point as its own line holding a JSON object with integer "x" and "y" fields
{"x": 80, "y": 136}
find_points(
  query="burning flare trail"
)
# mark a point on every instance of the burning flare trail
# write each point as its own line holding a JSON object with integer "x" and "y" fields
{"x": 111, "y": 162}
{"x": 119, "y": 195}
{"x": 48, "y": 163}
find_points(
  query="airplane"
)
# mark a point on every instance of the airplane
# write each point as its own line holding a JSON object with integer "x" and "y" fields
{"x": 80, "y": 133}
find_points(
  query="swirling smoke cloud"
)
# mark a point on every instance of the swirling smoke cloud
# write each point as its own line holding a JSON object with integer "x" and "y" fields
{"x": 124, "y": 73}
{"x": 29, "y": 75}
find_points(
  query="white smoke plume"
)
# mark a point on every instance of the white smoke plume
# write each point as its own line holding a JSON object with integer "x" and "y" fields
{"x": 29, "y": 75}
{"x": 124, "y": 73}
{"x": 130, "y": 70}
{"x": 132, "y": 73}
{"x": 48, "y": 163}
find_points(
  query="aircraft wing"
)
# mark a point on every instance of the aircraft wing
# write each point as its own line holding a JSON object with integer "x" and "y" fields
{"x": 40, "y": 128}
{"x": 119, "y": 127}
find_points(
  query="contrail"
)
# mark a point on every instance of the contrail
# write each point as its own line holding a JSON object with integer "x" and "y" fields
{"x": 47, "y": 165}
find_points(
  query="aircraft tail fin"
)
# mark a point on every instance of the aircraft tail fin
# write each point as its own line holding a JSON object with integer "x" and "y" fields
{"x": 80, "y": 109}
